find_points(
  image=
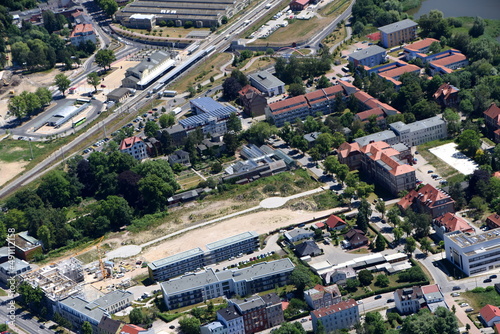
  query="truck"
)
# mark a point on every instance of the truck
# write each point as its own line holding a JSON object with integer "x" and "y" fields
{"x": 177, "y": 110}
{"x": 268, "y": 6}
{"x": 169, "y": 93}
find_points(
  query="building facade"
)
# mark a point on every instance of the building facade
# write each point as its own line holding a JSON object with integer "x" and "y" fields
{"x": 135, "y": 147}
{"x": 259, "y": 313}
{"x": 338, "y": 316}
{"x": 428, "y": 200}
{"x": 492, "y": 121}
{"x": 267, "y": 83}
{"x": 420, "y": 132}
{"x": 231, "y": 320}
{"x": 82, "y": 33}
{"x": 322, "y": 296}
{"x": 254, "y": 104}
{"x": 371, "y": 56}
{"x": 224, "y": 249}
{"x": 398, "y": 33}
{"x": 408, "y": 300}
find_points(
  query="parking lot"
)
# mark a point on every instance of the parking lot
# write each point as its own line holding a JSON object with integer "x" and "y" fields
{"x": 456, "y": 159}
{"x": 424, "y": 171}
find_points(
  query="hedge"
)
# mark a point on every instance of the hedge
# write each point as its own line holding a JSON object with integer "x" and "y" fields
{"x": 389, "y": 289}
{"x": 169, "y": 317}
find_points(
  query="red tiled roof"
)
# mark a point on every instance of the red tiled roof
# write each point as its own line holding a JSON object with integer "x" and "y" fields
{"x": 365, "y": 115}
{"x": 284, "y": 305}
{"x": 496, "y": 326}
{"x": 334, "y": 221}
{"x": 288, "y": 104}
{"x": 319, "y": 225}
{"x": 488, "y": 312}
{"x": 496, "y": 174}
{"x": 416, "y": 46}
{"x": 335, "y": 308}
{"x": 345, "y": 149}
{"x": 494, "y": 218}
{"x": 452, "y": 59}
{"x": 300, "y": 2}
{"x": 382, "y": 151}
{"x": 445, "y": 90}
{"x": 493, "y": 112}
{"x": 129, "y": 142}
{"x": 247, "y": 89}
{"x": 400, "y": 70}
{"x": 453, "y": 223}
{"x": 131, "y": 329}
{"x": 81, "y": 28}
{"x": 427, "y": 195}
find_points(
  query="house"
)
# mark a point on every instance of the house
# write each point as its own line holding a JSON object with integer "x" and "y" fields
{"x": 322, "y": 296}
{"x": 350, "y": 155}
{"x": 179, "y": 157}
{"x": 493, "y": 221}
{"x": 492, "y": 121}
{"x": 355, "y": 238}
{"x": 82, "y": 33}
{"x": 433, "y": 297}
{"x": 450, "y": 222}
{"x": 231, "y": 320}
{"x": 213, "y": 146}
{"x": 428, "y": 200}
{"x": 118, "y": 95}
{"x": 335, "y": 223}
{"x": 135, "y": 147}
{"x": 418, "y": 48}
{"x": 25, "y": 247}
{"x": 339, "y": 276}
{"x": 489, "y": 315}
{"x": 307, "y": 248}
{"x": 398, "y": 33}
{"x": 298, "y": 5}
{"x": 408, "y": 300}
{"x": 254, "y": 104}
{"x": 109, "y": 326}
{"x": 298, "y": 234}
{"x": 447, "y": 95}
{"x": 337, "y": 316}
{"x": 267, "y": 83}
{"x": 371, "y": 56}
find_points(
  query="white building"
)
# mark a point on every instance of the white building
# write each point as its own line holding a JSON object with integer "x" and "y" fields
{"x": 267, "y": 83}
{"x": 215, "y": 327}
{"x": 231, "y": 319}
{"x": 135, "y": 147}
{"x": 408, "y": 300}
{"x": 338, "y": 316}
{"x": 420, "y": 132}
{"x": 473, "y": 253}
{"x": 298, "y": 234}
{"x": 82, "y": 33}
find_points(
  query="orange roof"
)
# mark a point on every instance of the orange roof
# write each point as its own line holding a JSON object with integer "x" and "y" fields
{"x": 494, "y": 218}
{"x": 496, "y": 174}
{"x": 288, "y": 104}
{"x": 131, "y": 329}
{"x": 453, "y": 223}
{"x": 445, "y": 90}
{"x": 384, "y": 152}
{"x": 452, "y": 59}
{"x": 427, "y": 195}
{"x": 81, "y": 28}
{"x": 129, "y": 142}
{"x": 493, "y": 112}
{"x": 400, "y": 70}
{"x": 334, "y": 221}
{"x": 488, "y": 312}
{"x": 496, "y": 326}
{"x": 245, "y": 90}
{"x": 300, "y": 2}
{"x": 417, "y": 46}
{"x": 344, "y": 305}
{"x": 345, "y": 149}
{"x": 430, "y": 288}
{"x": 332, "y": 91}
{"x": 365, "y": 115}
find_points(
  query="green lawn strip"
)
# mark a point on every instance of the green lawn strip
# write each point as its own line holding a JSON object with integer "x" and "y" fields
{"x": 477, "y": 300}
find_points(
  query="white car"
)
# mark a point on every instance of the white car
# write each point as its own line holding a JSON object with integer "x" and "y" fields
{"x": 464, "y": 305}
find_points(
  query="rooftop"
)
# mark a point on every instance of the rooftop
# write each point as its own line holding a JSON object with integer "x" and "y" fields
{"x": 129, "y": 142}
{"x": 81, "y": 305}
{"x": 397, "y": 26}
{"x": 379, "y": 136}
{"x": 452, "y": 222}
{"x": 229, "y": 313}
{"x": 288, "y": 104}
{"x": 112, "y": 298}
{"x": 368, "y": 52}
{"x": 232, "y": 240}
{"x": 489, "y": 312}
{"x": 344, "y": 305}
{"x": 419, "y": 45}
{"x": 468, "y": 239}
{"x": 176, "y": 258}
{"x": 266, "y": 79}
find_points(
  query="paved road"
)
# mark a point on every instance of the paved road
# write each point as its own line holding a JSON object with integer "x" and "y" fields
{"x": 23, "y": 321}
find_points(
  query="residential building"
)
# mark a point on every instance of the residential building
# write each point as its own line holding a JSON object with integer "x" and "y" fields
{"x": 77, "y": 310}
{"x": 433, "y": 297}
{"x": 114, "y": 301}
{"x": 142, "y": 74}
{"x": 179, "y": 157}
{"x": 298, "y": 234}
{"x": 387, "y": 166}
{"x": 489, "y": 315}
{"x": 82, "y": 33}
{"x": 493, "y": 221}
{"x": 339, "y": 276}
{"x": 224, "y": 249}
{"x": 11, "y": 266}
{"x": 408, "y": 300}
{"x": 298, "y": 5}
{"x": 211, "y": 116}
{"x": 288, "y": 110}
{"x": 322, "y": 296}
{"x": 259, "y": 313}
{"x": 450, "y": 222}
{"x": 492, "y": 121}
{"x": 134, "y": 329}
{"x": 366, "y": 101}
{"x": 231, "y": 320}
{"x": 323, "y": 100}
{"x": 335, "y": 223}
{"x": 338, "y": 316}
{"x": 267, "y": 83}
{"x": 420, "y": 48}
{"x": 215, "y": 327}
{"x": 25, "y": 246}
{"x": 355, "y": 238}
{"x": 213, "y": 146}
{"x": 371, "y": 56}
{"x": 447, "y": 61}
{"x": 118, "y": 95}
{"x": 367, "y": 115}
{"x": 428, "y": 200}
{"x": 398, "y": 33}
{"x": 393, "y": 71}
{"x": 473, "y": 253}
{"x": 350, "y": 155}
{"x": 135, "y": 147}
{"x": 420, "y": 132}
{"x": 208, "y": 284}
{"x": 447, "y": 95}
{"x": 254, "y": 104}
{"x": 109, "y": 326}
{"x": 307, "y": 248}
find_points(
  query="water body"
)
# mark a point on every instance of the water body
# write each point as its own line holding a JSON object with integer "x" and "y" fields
{"x": 487, "y": 9}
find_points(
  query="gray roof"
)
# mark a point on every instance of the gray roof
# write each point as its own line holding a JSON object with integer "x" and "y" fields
{"x": 400, "y": 147}
{"x": 248, "y": 303}
{"x": 109, "y": 325}
{"x": 118, "y": 93}
{"x": 229, "y": 313}
{"x": 266, "y": 79}
{"x": 112, "y": 298}
{"x": 399, "y": 127}
{"x": 306, "y": 248}
{"x": 232, "y": 240}
{"x": 148, "y": 63}
{"x": 426, "y": 123}
{"x": 379, "y": 136}
{"x": 212, "y": 326}
{"x": 15, "y": 267}
{"x": 396, "y": 26}
{"x": 202, "y": 119}
{"x": 296, "y": 232}
{"x": 368, "y": 52}
{"x": 206, "y": 104}
{"x": 433, "y": 306}
{"x": 81, "y": 305}
{"x": 311, "y": 137}
{"x": 191, "y": 281}
{"x": 176, "y": 258}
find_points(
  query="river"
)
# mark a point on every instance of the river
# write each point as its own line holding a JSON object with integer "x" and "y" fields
{"x": 487, "y": 9}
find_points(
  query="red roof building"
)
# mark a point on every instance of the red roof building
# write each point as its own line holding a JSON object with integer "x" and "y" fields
{"x": 254, "y": 103}
{"x": 335, "y": 223}
{"x": 428, "y": 200}
{"x": 493, "y": 221}
{"x": 337, "y": 316}
{"x": 298, "y": 5}
{"x": 131, "y": 329}
{"x": 350, "y": 155}
{"x": 447, "y": 61}
{"x": 447, "y": 95}
{"x": 492, "y": 121}
{"x": 134, "y": 146}
{"x": 496, "y": 327}
{"x": 450, "y": 222}
{"x": 82, "y": 33}
{"x": 319, "y": 225}
{"x": 490, "y": 315}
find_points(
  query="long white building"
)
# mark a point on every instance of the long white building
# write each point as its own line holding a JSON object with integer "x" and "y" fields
{"x": 473, "y": 253}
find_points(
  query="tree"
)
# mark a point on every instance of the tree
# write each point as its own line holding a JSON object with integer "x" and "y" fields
{"x": 478, "y": 27}
{"x": 414, "y": 274}
{"x": 44, "y": 95}
{"x": 382, "y": 281}
{"x": 467, "y": 326}
{"x": 363, "y": 216}
{"x": 365, "y": 277}
{"x": 442, "y": 321}
{"x": 190, "y": 325}
{"x": 258, "y": 133}
{"x": 20, "y": 53}
{"x": 379, "y": 243}
{"x": 167, "y": 120}
{"x": 93, "y": 80}
{"x": 155, "y": 192}
{"x": 17, "y": 106}
{"x": 469, "y": 142}
{"x": 104, "y": 58}
{"x": 398, "y": 233}
{"x": 137, "y": 316}
{"x": 296, "y": 89}
{"x": 87, "y": 328}
{"x": 216, "y": 167}
{"x": 234, "y": 123}
{"x": 116, "y": 209}
{"x": 352, "y": 284}
{"x": 230, "y": 88}
{"x": 240, "y": 76}
{"x": 425, "y": 245}
{"x": 410, "y": 245}
{"x": 57, "y": 190}
{"x": 300, "y": 277}
{"x": 62, "y": 82}
{"x": 232, "y": 142}
{"x": 380, "y": 207}
{"x": 151, "y": 128}
{"x": 45, "y": 236}
{"x": 323, "y": 82}
{"x": 290, "y": 328}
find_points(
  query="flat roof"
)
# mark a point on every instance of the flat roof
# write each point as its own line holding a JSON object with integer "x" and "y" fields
{"x": 266, "y": 79}
{"x": 368, "y": 52}
{"x": 232, "y": 240}
{"x": 396, "y": 26}
{"x": 378, "y": 136}
{"x": 176, "y": 258}
{"x": 467, "y": 239}
{"x": 81, "y": 305}
{"x": 112, "y": 298}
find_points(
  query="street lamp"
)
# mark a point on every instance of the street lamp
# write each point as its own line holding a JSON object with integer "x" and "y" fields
{"x": 31, "y": 149}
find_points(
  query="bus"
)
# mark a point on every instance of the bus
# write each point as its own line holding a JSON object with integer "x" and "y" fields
{"x": 79, "y": 122}
{"x": 169, "y": 93}
{"x": 82, "y": 100}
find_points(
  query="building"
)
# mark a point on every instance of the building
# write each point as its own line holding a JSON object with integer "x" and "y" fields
{"x": 409, "y": 300}
{"x": 493, "y": 221}
{"x": 134, "y": 329}
{"x": 288, "y": 110}
{"x": 267, "y": 83}
{"x": 142, "y": 74}
{"x": 208, "y": 284}
{"x": 420, "y": 132}
{"x": 367, "y": 116}
{"x": 118, "y": 95}
{"x": 259, "y": 313}
{"x": 447, "y": 95}
{"x": 109, "y": 326}
{"x": 211, "y": 116}
{"x": 231, "y": 320}
{"x": 433, "y": 297}
{"x": 492, "y": 121}
{"x": 393, "y": 71}
{"x": 10, "y": 268}
{"x": 419, "y": 48}
{"x": 350, "y": 155}
{"x": 387, "y": 136}
{"x": 201, "y": 14}
{"x": 355, "y": 238}
{"x": 338, "y": 316}
{"x": 298, "y": 5}
{"x": 135, "y": 147}
{"x": 428, "y": 200}
{"x": 489, "y": 315}
{"x": 215, "y": 327}
{"x": 388, "y": 166}
{"x": 82, "y": 33}
{"x": 177, "y": 133}
{"x": 224, "y": 249}
{"x": 77, "y": 310}
{"x": 398, "y": 33}
{"x": 323, "y": 100}
{"x": 179, "y": 157}
{"x": 114, "y": 301}
{"x": 322, "y": 296}
{"x": 307, "y": 248}
{"x": 446, "y": 61}
{"x": 334, "y": 223}
{"x": 25, "y": 246}
{"x": 450, "y": 222}
{"x": 254, "y": 104}
{"x": 339, "y": 276}
{"x": 371, "y": 56}
{"x": 298, "y": 234}
{"x": 473, "y": 253}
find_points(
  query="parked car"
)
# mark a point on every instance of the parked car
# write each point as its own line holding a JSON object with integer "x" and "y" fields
{"x": 455, "y": 294}
{"x": 430, "y": 171}
{"x": 456, "y": 287}
{"x": 390, "y": 300}
{"x": 378, "y": 297}
{"x": 493, "y": 276}
{"x": 470, "y": 309}
{"x": 464, "y": 305}
{"x": 488, "y": 280}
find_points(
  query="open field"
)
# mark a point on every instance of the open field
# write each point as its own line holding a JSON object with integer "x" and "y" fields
{"x": 175, "y": 32}
{"x": 295, "y": 32}
{"x": 259, "y": 64}
{"x": 334, "y": 8}
{"x": 189, "y": 180}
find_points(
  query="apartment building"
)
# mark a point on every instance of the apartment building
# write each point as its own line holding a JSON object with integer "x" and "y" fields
{"x": 492, "y": 121}
{"x": 254, "y": 104}
{"x": 231, "y": 321}
{"x": 208, "y": 284}
{"x": 338, "y": 316}
{"x": 214, "y": 327}
{"x": 447, "y": 61}
{"x": 77, "y": 310}
{"x": 473, "y": 253}
{"x": 428, "y": 200}
{"x": 420, "y": 132}
{"x": 82, "y": 33}
{"x": 197, "y": 258}
{"x": 371, "y": 56}
{"x": 350, "y": 155}
{"x": 409, "y": 300}
{"x": 447, "y": 95}
{"x": 114, "y": 301}
{"x": 267, "y": 83}
{"x": 418, "y": 48}
{"x": 398, "y": 33}
{"x": 393, "y": 71}
{"x": 322, "y": 296}
{"x": 450, "y": 222}
{"x": 135, "y": 147}
{"x": 288, "y": 110}
{"x": 259, "y": 313}
{"x": 493, "y": 221}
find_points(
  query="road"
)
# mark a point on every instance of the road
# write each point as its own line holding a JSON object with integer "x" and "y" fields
{"x": 23, "y": 321}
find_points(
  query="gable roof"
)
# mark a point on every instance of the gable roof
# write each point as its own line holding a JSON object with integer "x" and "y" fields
{"x": 355, "y": 236}
{"x": 307, "y": 248}
{"x": 334, "y": 221}
{"x": 427, "y": 195}
{"x": 419, "y": 45}
{"x": 445, "y": 90}
{"x": 494, "y": 218}
{"x": 288, "y": 104}
{"x": 344, "y": 305}
{"x": 319, "y": 291}
{"x": 109, "y": 325}
{"x": 129, "y": 142}
{"x": 488, "y": 312}
{"x": 132, "y": 329}
{"x": 493, "y": 112}
{"x": 452, "y": 222}
{"x": 364, "y": 116}
{"x": 81, "y": 28}
{"x": 345, "y": 149}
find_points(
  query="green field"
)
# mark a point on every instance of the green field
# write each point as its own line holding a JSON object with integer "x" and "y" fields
{"x": 189, "y": 180}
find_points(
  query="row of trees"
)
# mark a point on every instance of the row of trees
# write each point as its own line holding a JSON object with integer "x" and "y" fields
{"x": 27, "y": 103}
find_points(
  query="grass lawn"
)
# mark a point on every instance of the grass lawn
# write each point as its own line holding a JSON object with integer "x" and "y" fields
{"x": 189, "y": 180}
{"x": 335, "y": 37}
{"x": 295, "y": 32}
{"x": 178, "y": 32}
{"x": 19, "y": 150}
{"x": 334, "y": 8}
{"x": 260, "y": 64}
{"x": 480, "y": 299}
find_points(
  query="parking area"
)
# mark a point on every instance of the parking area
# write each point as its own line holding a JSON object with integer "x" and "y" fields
{"x": 425, "y": 170}
{"x": 456, "y": 159}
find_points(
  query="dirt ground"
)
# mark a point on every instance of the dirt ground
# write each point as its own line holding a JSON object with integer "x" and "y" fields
{"x": 8, "y": 170}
